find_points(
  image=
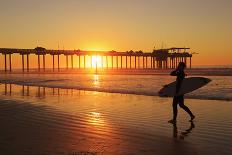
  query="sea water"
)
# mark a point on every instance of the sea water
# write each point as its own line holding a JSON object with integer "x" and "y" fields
{"x": 219, "y": 89}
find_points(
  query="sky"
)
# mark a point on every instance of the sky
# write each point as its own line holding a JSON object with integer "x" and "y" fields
{"x": 203, "y": 25}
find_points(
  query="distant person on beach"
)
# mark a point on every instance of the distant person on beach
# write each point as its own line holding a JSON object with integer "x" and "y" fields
{"x": 179, "y": 99}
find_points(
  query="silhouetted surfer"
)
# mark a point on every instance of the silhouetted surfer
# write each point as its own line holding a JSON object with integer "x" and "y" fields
{"x": 179, "y": 99}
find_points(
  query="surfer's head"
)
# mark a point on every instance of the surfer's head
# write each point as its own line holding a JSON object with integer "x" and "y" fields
{"x": 181, "y": 66}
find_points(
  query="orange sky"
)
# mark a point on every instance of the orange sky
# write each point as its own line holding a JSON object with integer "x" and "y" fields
{"x": 204, "y": 26}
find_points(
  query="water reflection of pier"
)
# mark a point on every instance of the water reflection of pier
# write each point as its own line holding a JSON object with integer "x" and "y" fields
{"x": 158, "y": 59}
{"x": 36, "y": 91}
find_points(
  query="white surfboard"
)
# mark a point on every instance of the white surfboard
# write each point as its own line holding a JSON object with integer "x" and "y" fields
{"x": 188, "y": 85}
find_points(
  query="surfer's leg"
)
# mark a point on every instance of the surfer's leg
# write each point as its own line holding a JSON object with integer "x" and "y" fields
{"x": 174, "y": 106}
{"x": 181, "y": 103}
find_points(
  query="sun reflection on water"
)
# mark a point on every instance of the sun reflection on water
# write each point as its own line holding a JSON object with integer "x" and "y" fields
{"x": 96, "y": 80}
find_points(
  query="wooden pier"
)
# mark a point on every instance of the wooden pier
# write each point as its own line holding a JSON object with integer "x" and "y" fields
{"x": 158, "y": 59}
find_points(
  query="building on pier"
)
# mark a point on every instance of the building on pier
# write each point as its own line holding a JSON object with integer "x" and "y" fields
{"x": 170, "y": 57}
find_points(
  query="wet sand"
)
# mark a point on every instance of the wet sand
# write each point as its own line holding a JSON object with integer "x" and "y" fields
{"x": 37, "y": 120}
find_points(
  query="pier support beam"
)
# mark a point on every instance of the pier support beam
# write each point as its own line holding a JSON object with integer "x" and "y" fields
{"x": 10, "y": 61}
{"x": 96, "y": 62}
{"x": 138, "y": 62}
{"x": 5, "y": 63}
{"x": 102, "y": 63}
{"x": 176, "y": 59}
{"x": 146, "y": 62}
{"x": 66, "y": 61}
{"x": 44, "y": 62}
{"x": 106, "y": 62}
{"x": 143, "y": 63}
{"x": 23, "y": 62}
{"x": 72, "y": 61}
{"x": 53, "y": 62}
{"x": 126, "y": 62}
{"x": 91, "y": 61}
{"x": 58, "y": 61}
{"x": 190, "y": 64}
{"x": 169, "y": 66}
{"x": 79, "y": 62}
{"x": 151, "y": 62}
{"x": 130, "y": 62}
{"x": 117, "y": 61}
{"x": 135, "y": 62}
{"x": 27, "y": 62}
{"x": 84, "y": 61}
{"x": 173, "y": 62}
{"x": 121, "y": 62}
{"x": 38, "y": 62}
{"x": 112, "y": 61}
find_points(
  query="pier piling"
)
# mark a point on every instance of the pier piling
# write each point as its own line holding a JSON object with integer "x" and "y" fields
{"x": 27, "y": 62}
{"x": 10, "y": 62}
{"x": 5, "y": 62}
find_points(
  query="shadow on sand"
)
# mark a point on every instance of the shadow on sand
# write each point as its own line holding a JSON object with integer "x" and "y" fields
{"x": 184, "y": 133}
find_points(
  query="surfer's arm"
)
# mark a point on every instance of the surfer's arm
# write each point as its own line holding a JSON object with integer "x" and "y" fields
{"x": 174, "y": 73}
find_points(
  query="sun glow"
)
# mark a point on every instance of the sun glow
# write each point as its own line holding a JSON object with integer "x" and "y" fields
{"x": 96, "y": 61}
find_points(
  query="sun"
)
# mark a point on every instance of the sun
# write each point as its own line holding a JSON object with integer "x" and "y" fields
{"x": 96, "y": 61}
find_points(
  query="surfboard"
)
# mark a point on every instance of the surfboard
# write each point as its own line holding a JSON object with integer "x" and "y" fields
{"x": 188, "y": 85}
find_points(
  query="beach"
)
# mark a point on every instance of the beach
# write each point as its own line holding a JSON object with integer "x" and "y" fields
{"x": 43, "y": 120}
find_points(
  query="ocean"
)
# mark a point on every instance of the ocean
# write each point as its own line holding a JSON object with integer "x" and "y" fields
{"x": 140, "y": 84}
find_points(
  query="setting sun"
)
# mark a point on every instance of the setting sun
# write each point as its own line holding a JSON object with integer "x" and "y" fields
{"x": 96, "y": 61}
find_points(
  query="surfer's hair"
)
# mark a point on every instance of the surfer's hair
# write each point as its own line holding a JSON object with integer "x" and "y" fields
{"x": 182, "y": 64}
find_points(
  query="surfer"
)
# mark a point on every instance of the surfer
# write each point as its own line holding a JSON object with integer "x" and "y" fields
{"x": 179, "y": 99}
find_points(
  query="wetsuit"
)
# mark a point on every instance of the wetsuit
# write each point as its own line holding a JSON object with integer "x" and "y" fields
{"x": 180, "y": 75}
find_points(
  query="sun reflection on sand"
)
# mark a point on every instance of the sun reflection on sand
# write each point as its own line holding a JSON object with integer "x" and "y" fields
{"x": 95, "y": 118}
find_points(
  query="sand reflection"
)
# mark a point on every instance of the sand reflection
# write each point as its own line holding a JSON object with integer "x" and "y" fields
{"x": 95, "y": 119}
{"x": 77, "y": 121}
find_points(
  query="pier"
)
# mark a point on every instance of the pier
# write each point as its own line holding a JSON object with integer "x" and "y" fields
{"x": 157, "y": 59}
